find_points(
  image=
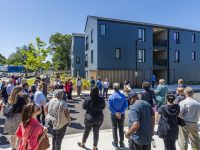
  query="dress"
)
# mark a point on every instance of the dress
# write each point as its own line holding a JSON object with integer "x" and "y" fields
{"x": 12, "y": 123}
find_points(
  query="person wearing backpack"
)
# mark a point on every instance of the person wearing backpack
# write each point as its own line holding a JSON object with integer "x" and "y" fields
{"x": 13, "y": 114}
{"x": 30, "y": 133}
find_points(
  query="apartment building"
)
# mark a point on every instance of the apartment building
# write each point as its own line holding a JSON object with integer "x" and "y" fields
{"x": 127, "y": 50}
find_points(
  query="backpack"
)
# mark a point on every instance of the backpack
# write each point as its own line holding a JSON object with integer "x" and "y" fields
{"x": 8, "y": 111}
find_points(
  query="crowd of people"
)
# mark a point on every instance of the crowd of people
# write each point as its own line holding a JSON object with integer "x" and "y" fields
{"x": 28, "y": 112}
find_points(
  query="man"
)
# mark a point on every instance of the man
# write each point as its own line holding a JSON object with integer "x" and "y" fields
{"x": 100, "y": 86}
{"x": 117, "y": 105}
{"x": 10, "y": 87}
{"x": 47, "y": 79}
{"x": 140, "y": 123}
{"x": 190, "y": 112}
{"x": 3, "y": 93}
{"x": 181, "y": 83}
{"x": 92, "y": 82}
{"x": 106, "y": 85}
{"x": 45, "y": 87}
{"x": 160, "y": 92}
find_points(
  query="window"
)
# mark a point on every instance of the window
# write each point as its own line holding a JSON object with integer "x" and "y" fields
{"x": 141, "y": 34}
{"x": 141, "y": 55}
{"x": 177, "y": 57}
{"x": 77, "y": 60}
{"x": 77, "y": 73}
{"x": 118, "y": 53}
{"x": 193, "y": 55}
{"x": 193, "y": 38}
{"x": 103, "y": 29}
{"x": 87, "y": 44}
{"x": 176, "y": 37}
{"x": 92, "y": 57}
{"x": 92, "y": 36}
{"x": 86, "y": 60}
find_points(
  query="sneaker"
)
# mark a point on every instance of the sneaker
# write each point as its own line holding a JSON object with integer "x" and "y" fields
{"x": 122, "y": 146}
{"x": 115, "y": 145}
{"x": 80, "y": 144}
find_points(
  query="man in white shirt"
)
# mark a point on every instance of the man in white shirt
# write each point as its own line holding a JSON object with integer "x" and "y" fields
{"x": 190, "y": 112}
{"x": 106, "y": 85}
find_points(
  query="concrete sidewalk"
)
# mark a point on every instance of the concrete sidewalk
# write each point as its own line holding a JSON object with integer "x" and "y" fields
{"x": 105, "y": 142}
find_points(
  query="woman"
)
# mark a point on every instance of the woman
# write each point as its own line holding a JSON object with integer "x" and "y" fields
{"x": 58, "y": 115}
{"x": 30, "y": 133}
{"x": 12, "y": 123}
{"x": 69, "y": 88}
{"x": 78, "y": 86}
{"x": 168, "y": 123}
{"x": 94, "y": 106}
{"x": 40, "y": 99}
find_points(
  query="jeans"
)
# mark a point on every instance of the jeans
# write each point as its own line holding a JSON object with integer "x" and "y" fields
{"x": 170, "y": 144}
{"x": 57, "y": 137}
{"x": 105, "y": 92}
{"x": 100, "y": 92}
{"x": 135, "y": 146}
{"x": 43, "y": 116}
{"x": 88, "y": 126}
{"x": 118, "y": 123}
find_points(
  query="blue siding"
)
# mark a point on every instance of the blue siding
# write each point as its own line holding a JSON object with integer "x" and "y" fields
{"x": 78, "y": 50}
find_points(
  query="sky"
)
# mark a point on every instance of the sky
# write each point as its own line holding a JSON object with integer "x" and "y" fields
{"x": 21, "y": 21}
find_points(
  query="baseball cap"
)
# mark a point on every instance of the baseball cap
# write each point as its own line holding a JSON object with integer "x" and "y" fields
{"x": 131, "y": 94}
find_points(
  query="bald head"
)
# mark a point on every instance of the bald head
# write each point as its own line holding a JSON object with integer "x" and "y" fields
{"x": 162, "y": 81}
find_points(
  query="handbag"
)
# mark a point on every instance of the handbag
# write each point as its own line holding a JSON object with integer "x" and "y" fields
{"x": 8, "y": 111}
{"x": 44, "y": 143}
{"x": 181, "y": 122}
{"x": 63, "y": 117}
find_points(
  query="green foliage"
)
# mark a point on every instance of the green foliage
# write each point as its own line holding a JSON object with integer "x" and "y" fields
{"x": 60, "y": 46}
{"x": 36, "y": 55}
{"x": 2, "y": 59}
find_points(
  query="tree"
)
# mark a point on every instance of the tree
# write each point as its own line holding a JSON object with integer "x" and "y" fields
{"x": 17, "y": 58}
{"x": 60, "y": 47}
{"x": 2, "y": 59}
{"x": 35, "y": 56}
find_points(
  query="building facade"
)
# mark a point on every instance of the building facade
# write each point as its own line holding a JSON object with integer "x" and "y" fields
{"x": 125, "y": 50}
{"x": 78, "y": 55}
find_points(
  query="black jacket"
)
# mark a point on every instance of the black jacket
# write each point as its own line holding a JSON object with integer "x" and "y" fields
{"x": 168, "y": 123}
{"x": 94, "y": 111}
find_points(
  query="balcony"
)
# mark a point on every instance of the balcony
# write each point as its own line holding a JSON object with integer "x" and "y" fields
{"x": 160, "y": 62}
{"x": 160, "y": 43}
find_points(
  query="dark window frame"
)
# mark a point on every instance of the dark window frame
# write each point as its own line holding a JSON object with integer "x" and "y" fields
{"x": 92, "y": 31}
{"x": 193, "y": 55}
{"x": 193, "y": 38}
{"x": 176, "y": 37}
{"x": 92, "y": 57}
{"x": 177, "y": 56}
{"x": 143, "y": 34}
{"x": 78, "y": 60}
{"x": 143, "y": 56}
{"x": 118, "y": 57}
{"x": 102, "y": 34}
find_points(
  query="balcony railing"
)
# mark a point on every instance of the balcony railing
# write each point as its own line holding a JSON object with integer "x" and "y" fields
{"x": 160, "y": 62}
{"x": 160, "y": 43}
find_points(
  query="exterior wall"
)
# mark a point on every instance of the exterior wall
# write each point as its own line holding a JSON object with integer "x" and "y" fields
{"x": 187, "y": 69}
{"x": 91, "y": 25}
{"x": 78, "y": 50}
{"x": 124, "y": 36}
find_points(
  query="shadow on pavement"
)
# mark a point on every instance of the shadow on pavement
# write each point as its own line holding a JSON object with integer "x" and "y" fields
{"x": 76, "y": 125}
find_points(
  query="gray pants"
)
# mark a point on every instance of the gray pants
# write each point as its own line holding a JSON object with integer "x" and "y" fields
{"x": 189, "y": 131}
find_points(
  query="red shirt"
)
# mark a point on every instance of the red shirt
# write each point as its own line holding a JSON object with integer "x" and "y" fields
{"x": 29, "y": 135}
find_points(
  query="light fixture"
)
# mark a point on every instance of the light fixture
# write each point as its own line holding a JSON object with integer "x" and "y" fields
{"x": 154, "y": 30}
